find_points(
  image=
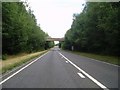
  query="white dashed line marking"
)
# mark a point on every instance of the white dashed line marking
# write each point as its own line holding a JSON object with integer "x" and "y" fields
{"x": 81, "y": 75}
{"x": 86, "y": 74}
{"x": 66, "y": 61}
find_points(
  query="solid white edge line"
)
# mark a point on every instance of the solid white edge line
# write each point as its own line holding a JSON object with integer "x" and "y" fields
{"x": 90, "y": 77}
{"x": 81, "y": 75}
{"x": 22, "y": 69}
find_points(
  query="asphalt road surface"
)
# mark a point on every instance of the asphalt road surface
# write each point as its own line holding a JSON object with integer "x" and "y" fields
{"x": 61, "y": 69}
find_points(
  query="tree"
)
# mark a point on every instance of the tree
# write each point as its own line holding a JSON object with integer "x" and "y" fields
{"x": 95, "y": 29}
{"x": 20, "y": 30}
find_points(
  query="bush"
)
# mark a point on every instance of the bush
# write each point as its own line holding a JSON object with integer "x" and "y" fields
{"x": 4, "y": 57}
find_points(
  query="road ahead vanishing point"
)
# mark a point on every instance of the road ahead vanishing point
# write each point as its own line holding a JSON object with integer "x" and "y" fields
{"x": 61, "y": 69}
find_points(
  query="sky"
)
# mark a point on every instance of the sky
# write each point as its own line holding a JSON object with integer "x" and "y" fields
{"x": 55, "y": 16}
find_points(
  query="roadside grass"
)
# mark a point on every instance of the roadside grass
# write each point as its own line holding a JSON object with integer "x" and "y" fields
{"x": 17, "y": 60}
{"x": 109, "y": 59}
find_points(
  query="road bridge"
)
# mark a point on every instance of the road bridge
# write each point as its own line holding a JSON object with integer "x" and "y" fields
{"x": 55, "y": 39}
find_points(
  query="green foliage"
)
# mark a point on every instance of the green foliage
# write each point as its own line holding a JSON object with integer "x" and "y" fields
{"x": 4, "y": 57}
{"x": 95, "y": 29}
{"x": 20, "y": 32}
{"x": 49, "y": 44}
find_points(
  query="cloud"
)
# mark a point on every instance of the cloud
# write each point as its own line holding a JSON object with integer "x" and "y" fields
{"x": 55, "y": 16}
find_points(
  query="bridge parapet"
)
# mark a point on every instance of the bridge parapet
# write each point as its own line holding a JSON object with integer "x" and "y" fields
{"x": 55, "y": 39}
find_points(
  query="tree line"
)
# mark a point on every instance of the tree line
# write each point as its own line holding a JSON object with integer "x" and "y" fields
{"x": 96, "y": 29}
{"x": 20, "y": 31}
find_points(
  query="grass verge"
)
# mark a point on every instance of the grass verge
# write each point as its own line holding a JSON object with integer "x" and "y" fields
{"x": 109, "y": 59}
{"x": 15, "y": 61}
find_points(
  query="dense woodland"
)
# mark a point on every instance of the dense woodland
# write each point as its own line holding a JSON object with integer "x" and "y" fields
{"x": 20, "y": 32}
{"x": 96, "y": 29}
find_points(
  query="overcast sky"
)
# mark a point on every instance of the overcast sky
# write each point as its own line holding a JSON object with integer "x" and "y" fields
{"x": 55, "y": 16}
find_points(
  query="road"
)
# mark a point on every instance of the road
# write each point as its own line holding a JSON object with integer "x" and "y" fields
{"x": 61, "y": 69}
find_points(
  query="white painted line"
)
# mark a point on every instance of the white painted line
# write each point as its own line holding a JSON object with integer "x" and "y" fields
{"x": 81, "y": 75}
{"x": 66, "y": 61}
{"x": 22, "y": 69}
{"x": 89, "y": 76}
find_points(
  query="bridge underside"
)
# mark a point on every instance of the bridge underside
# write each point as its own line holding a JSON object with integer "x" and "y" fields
{"x": 55, "y": 39}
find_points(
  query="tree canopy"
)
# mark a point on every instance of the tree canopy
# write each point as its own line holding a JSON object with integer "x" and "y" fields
{"x": 20, "y": 32}
{"x": 96, "y": 29}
